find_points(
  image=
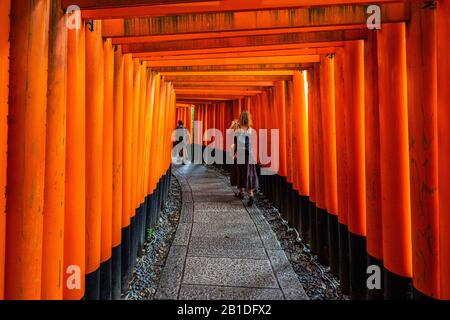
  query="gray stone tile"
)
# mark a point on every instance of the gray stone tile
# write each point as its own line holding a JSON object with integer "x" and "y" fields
{"x": 222, "y": 217}
{"x": 268, "y": 238}
{"x": 224, "y": 230}
{"x": 173, "y": 269}
{"x": 287, "y": 278}
{"x": 186, "y": 197}
{"x": 221, "y": 247}
{"x": 219, "y": 197}
{"x": 255, "y": 253}
{"x": 167, "y": 293}
{"x": 238, "y": 243}
{"x": 196, "y": 292}
{"x": 222, "y": 206}
{"x": 229, "y": 272}
{"x": 257, "y": 216}
{"x": 187, "y": 217}
{"x": 183, "y": 234}
{"x": 245, "y": 248}
{"x": 187, "y": 213}
{"x": 209, "y": 184}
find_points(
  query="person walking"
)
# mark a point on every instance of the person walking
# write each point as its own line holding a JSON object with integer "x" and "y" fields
{"x": 183, "y": 138}
{"x": 246, "y": 165}
{"x": 234, "y": 178}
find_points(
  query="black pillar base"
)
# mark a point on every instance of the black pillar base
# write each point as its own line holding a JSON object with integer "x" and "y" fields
{"x": 295, "y": 210}
{"x": 312, "y": 229}
{"x": 417, "y": 295}
{"x": 322, "y": 235}
{"x": 150, "y": 209}
{"x": 142, "y": 223}
{"x": 278, "y": 189}
{"x": 333, "y": 241}
{"x": 116, "y": 273}
{"x": 138, "y": 231}
{"x": 286, "y": 199}
{"x": 126, "y": 266}
{"x": 270, "y": 187}
{"x": 93, "y": 285}
{"x": 396, "y": 287}
{"x": 274, "y": 188}
{"x": 106, "y": 280}
{"x": 344, "y": 258}
{"x": 376, "y": 294}
{"x": 132, "y": 241}
{"x": 358, "y": 266}
{"x": 303, "y": 211}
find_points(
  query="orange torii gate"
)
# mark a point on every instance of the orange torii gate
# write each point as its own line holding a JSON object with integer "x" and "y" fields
{"x": 362, "y": 115}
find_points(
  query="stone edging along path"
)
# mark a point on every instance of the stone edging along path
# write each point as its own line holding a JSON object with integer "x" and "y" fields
{"x": 223, "y": 249}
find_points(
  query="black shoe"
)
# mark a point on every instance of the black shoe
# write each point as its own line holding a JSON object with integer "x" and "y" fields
{"x": 250, "y": 201}
{"x": 239, "y": 195}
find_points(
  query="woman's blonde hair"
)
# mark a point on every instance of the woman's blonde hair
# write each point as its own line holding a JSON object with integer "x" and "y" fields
{"x": 246, "y": 119}
{"x": 235, "y": 125}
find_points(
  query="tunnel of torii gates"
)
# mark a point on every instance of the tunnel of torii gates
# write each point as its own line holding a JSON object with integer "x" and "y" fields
{"x": 86, "y": 116}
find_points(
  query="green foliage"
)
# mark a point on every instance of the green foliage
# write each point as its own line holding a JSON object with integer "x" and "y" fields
{"x": 150, "y": 233}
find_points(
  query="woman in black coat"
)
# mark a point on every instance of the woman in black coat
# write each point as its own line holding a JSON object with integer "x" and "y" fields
{"x": 247, "y": 176}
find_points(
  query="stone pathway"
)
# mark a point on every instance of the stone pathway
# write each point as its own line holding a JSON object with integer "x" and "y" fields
{"x": 222, "y": 249}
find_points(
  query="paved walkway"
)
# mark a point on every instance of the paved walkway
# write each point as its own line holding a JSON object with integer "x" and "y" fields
{"x": 223, "y": 250}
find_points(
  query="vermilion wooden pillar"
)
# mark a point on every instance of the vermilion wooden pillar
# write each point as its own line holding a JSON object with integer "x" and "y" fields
{"x": 166, "y": 137}
{"x": 107, "y": 173}
{"x": 263, "y": 125}
{"x": 342, "y": 170}
{"x": 189, "y": 121}
{"x": 272, "y": 124}
{"x": 137, "y": 68}
{"x": 75, "y": 195}
{"x": 443, "y": 85}
{"x": 141, "y": 132}
{"x": 55, "y": 165}
{"x": 321, "y": 223}
{"x": 94, "y": 157}
{"x": 169, "y": 128}
{"x": 26, "y": 152}
{"x": 372, "y": 155}
{"x": 161, "y": 127}
{"x": 327, "y": 94}
{"x": 149, "y": 119}
{"x": 154, "y": 137}
{"x": 291, "y": 194}
{"x": 313, "y": 87}
{"x": 151, "y": 80}
{"x": 328, "y": 126}
{"x": 236, "y": 109}
{"x": 422, "y": 124}
{"x": 205, "y": 122}
{"x": 277, "y": 108}
{"x": 209, "y": 143}
{"x": 5, "y": 7}
{"x": 126, "y": 174}
{"x": 356, "y": 183}
{"x": 301, "y": 150}
{"x": 140, "y": 222}
{"x": 134, "y": 160}
{"x": 394, "y": 160}
{"x": 117, "y": 171}
{"x": 160, "y": 146}
{"x": 280, "y": 109}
